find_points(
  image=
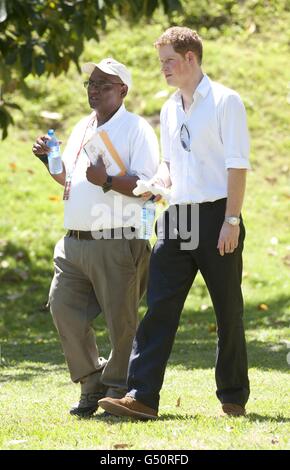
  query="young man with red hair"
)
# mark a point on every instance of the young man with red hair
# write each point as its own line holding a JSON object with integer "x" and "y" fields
{"x": 205, "y": 145}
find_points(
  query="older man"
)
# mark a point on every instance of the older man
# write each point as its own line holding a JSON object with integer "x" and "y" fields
{"x": 95, "y": 270}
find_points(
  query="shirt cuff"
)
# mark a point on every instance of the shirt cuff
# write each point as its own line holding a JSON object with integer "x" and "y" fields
{"x": 238, "y": 163}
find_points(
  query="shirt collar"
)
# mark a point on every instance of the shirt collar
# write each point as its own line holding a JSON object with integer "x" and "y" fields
{"x": 117, "y": 114}
{"x": 202, "y": 90}
{"x": 203, "y": 87}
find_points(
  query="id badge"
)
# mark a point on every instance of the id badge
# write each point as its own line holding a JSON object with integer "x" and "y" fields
{"x": 67, "y": 187}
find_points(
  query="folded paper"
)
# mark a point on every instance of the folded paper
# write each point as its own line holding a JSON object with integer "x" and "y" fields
{"x": 100, "y": 146}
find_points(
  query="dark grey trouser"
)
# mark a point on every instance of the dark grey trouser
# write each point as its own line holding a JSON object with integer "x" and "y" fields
{"x": 93, "y": 276}
{"x": 172, "y": 272}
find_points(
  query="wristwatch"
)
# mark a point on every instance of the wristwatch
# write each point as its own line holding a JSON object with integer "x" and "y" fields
{"x": 232, "y": 220}
{"x": 43, "y": 159}
{"x": 108, "y": 184}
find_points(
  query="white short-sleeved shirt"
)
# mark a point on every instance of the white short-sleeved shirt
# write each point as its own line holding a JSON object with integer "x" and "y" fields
{"x": 88, "y": 207}
{"x": 219, "y": 140}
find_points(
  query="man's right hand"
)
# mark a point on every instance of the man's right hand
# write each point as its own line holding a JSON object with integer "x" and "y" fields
{"x": 40, "y": 147}
{"x": 41, "y": 150}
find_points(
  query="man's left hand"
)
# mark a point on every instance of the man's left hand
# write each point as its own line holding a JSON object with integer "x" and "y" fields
{"x": 228, "y": 239}
{"x": 96, "y": 174}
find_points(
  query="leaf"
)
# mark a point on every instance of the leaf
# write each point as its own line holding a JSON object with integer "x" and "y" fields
{"x": 26, "y": 54}
{"x": 275, "y": 440}
{"x": 178, "y": 402}
{"x": 229, "y": 428}
{"x": 252, "y": 28}
{"x": 171, "y": 5}
{"x": 286, "y": 260}
{"x": 39, "y": 65}
{"x": 13, "y": 166}
{"x": 263, "y": 307}
{"x": 212, "y": 328}
{"x": 271, "y": 179}
{"x": 12, "y": 105}
{"x": 121, "y": 446}
{"x": 16, "y": 441}
{"x": 4, "y": 264}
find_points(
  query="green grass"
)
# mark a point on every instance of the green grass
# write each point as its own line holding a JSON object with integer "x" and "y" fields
{"x": 35, "y": 389}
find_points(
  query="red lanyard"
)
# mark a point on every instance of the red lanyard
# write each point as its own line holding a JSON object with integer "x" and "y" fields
{"x": 68, "y": 177}
{"x": 81, "y": 146}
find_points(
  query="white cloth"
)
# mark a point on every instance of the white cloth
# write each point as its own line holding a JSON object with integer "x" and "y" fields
{"x": 88, "y": 207}
{"x": 147, "y": 186}
{"x": 219, "y": 140}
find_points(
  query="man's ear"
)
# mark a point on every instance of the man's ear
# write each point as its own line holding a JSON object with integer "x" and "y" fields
{"x": 124, "y": 91}
{"x": 190, "y": 57}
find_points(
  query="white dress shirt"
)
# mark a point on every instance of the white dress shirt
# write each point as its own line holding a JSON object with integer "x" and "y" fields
{"x": 88, "y": 207}
{"x": 219, "y": 140}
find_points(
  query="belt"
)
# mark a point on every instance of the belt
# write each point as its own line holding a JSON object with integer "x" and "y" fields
{"x": 203, "y": 204}
{"x": 108, "y": 233}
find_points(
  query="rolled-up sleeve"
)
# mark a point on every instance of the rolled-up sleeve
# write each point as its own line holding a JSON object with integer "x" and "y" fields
{"x": 235, "y": 134}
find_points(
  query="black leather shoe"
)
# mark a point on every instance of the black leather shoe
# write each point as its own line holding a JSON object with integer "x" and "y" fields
{"x": 87, "y": 405}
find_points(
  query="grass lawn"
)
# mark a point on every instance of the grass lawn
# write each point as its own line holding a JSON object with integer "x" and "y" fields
{"x": 35, "y": 389}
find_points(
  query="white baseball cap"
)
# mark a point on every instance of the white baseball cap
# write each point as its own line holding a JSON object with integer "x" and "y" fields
{"x": 112, "y": 67}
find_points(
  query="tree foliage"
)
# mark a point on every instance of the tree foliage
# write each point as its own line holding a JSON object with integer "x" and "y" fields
{"x": 44, "y": 36}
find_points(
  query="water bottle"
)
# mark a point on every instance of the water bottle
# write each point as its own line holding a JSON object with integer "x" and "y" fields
{"x": 147, "y": 219}
{"x": 54, "y": 157}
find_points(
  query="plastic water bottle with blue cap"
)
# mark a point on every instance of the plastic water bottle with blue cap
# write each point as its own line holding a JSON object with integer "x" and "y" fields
{"x": 54, "y": 157}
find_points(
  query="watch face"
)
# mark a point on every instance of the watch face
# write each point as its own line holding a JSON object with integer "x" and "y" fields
{"x": 233, "y": 220}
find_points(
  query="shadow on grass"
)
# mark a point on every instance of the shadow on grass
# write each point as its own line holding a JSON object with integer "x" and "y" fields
{"x": 163, "y": 417}
{"x": 195, "y": 343}
{"x": 28, "y": 334}
{"x": 252, "y": 417}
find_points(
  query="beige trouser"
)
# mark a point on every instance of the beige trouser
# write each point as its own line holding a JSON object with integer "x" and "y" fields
{"x": 93, "y": 276}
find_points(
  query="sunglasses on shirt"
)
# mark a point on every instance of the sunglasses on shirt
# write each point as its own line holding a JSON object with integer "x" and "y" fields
{"x": 184, "y": 136}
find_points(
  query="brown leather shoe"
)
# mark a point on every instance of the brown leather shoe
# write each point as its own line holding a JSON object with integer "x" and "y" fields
{"x": 232, "y": 409}
{"x": 127, "y": 406}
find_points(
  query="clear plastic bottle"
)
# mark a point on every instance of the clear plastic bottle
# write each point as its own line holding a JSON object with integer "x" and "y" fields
{"x": 54, "y": 157}
{"x": 147, "y": 219}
